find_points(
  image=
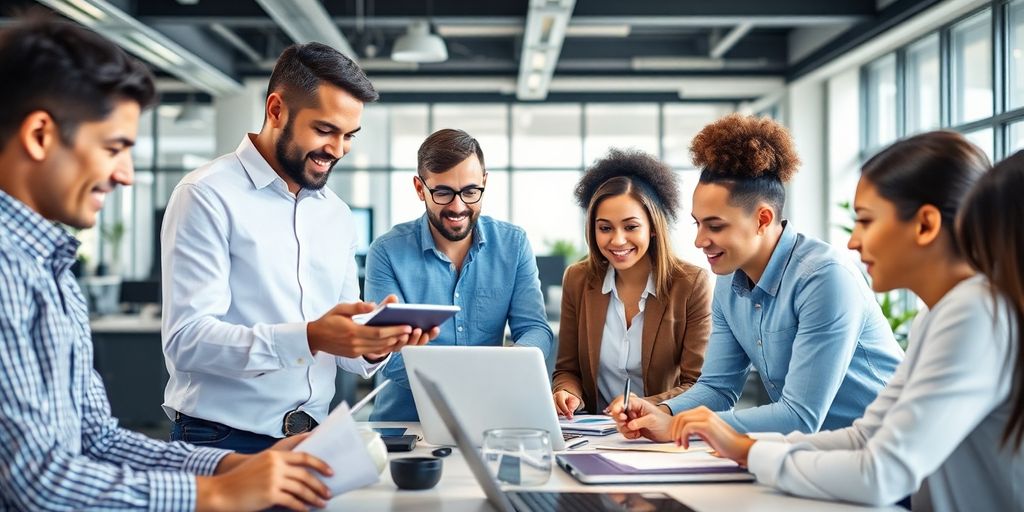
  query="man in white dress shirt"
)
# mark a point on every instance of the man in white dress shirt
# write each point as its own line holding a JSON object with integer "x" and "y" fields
{"x": 259, "y": 272}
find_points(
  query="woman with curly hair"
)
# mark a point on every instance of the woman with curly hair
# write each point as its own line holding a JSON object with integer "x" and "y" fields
{"x": 795, "y": 308}
{"x": 632, "y": 309}
{"x": 950, "y": 424}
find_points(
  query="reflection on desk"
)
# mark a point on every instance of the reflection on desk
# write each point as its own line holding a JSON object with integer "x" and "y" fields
{"x": 459, "y": 491}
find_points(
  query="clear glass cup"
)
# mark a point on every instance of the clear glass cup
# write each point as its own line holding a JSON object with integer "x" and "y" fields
{"x": 518, "y": 456}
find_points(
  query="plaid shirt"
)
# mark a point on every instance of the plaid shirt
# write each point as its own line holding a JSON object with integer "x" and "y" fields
{"x": 60, "y": 449}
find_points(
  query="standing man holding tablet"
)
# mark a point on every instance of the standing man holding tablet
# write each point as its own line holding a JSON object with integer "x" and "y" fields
{"x": 257, "y": 255}
{"x": 453, "y": 255}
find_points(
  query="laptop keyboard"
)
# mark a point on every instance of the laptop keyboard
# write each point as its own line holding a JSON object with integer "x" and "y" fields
{"x": 562, "y": 501}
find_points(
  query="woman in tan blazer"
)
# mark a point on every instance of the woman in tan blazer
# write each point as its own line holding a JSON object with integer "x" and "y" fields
{"x": 631, "y": 309}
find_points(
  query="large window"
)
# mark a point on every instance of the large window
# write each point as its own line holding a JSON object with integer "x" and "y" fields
{"x": 881, "y": 100}
{"x": 923, "y": 85}
{"x": 972, "y": 68}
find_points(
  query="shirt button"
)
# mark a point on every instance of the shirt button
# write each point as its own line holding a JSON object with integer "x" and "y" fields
{"x": 456, "y": 295}
{"x": 300, "y": 360}
{"x": 759, "y": 343}
{"x": 451, "y": 267}
{"x": 757, "y": 306}
{"x": 460, "y": 328}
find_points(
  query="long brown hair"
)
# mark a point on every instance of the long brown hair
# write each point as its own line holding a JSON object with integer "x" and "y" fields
{"x": 663, "y": 260}
{"x": 990, "y": 229}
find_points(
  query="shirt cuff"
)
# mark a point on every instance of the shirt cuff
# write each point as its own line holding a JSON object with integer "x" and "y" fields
{"x": 171, "y": 491}
{"x": 204, "y": 461}
{"x": 291, "y": 345}
{"x": 369, "y": 369}
{"x": 765, "y": 460}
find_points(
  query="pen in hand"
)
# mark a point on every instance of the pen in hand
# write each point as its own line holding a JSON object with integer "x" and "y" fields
{"x": 625, "y": 398}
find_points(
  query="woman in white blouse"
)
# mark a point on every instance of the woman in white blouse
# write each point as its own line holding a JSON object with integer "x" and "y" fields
{"x": 947, "y": 429}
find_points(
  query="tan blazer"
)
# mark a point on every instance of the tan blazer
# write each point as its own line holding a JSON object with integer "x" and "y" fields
{"x": 676, "y": 330}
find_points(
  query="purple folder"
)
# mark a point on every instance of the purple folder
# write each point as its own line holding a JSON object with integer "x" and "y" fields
{"x": 593, "y": 468}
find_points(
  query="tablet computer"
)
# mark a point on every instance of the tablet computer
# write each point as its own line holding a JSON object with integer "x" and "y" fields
{"x": 424, "y": 316}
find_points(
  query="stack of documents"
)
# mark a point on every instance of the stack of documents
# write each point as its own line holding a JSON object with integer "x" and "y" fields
{"x": 588, "y": 425}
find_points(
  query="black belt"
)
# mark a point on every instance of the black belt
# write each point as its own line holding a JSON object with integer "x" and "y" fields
{"x": 297, "y": 422}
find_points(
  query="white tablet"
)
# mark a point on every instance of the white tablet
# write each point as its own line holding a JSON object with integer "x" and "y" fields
{"x": 424, "y": 316}
{"x": 489, "y": 387}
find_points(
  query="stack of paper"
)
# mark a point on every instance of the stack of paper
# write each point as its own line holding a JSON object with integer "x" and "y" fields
{"x": 641, "y": 461}
{"x": 588, "y": 425}
{"x": 643, "y": 445}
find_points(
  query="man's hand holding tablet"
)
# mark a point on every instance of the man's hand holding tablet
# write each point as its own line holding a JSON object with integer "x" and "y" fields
{"x": 338, "y": 333}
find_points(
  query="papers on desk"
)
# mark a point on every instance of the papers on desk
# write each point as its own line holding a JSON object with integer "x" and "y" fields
{"x": 645, "y": 461}
{"x": 643, "y": 445}
{"x": 588, "y": 425}
{"x": 338, "y": 443}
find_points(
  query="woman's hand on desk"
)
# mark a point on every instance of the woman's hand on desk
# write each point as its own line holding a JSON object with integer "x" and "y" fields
{"x": 566, "y": 403}
{"x": 643, "y": 419}
{"x": 707, "y": 425}
{"x": 274, "y": 477}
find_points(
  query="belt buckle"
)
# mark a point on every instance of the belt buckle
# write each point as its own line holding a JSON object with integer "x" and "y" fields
{"x": 297, "y": 422}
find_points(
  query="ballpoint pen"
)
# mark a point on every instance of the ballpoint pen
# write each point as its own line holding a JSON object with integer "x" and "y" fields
{"x": 625, "y": 398}
{"x": 577, "y": 444}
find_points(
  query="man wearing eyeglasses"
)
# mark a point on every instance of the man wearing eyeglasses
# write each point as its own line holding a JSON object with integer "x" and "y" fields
{"x": 453, "y": 255}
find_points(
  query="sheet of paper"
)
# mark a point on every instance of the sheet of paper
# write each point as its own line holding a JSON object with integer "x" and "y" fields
{"x": 587, "y": 419}
{"x": 643, "y": 445}
{"x": 338, "y": 443}
{"x": 645, "y": 460}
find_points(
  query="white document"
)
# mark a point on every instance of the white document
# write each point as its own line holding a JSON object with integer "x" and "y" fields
{"x": 645, "y": 461}
{"x": 338, "y": 443}
{"x": 643, "y": 445}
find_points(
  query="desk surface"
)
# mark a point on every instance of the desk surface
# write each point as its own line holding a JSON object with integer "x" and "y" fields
{"x": 458, "y": 491}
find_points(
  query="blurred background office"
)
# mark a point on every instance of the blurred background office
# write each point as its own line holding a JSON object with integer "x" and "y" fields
{"x": 546, "y": 86}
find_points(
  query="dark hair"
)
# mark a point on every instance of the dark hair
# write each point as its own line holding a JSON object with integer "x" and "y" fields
{"x": 445, "y": 149}
{"x": 643, "y": 170}
{"x": 751, "y": 156}
{"x": 301, "y": 69}
{"x": 652, "y": 184}
{"x": 991, "y": 231}
{"x": 936, "y": 168}
{"x": 68, "y": 71}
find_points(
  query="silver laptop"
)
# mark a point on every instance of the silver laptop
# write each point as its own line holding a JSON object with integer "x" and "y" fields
{"x": 536, "y": 501}
{"x": 508, "y": 387}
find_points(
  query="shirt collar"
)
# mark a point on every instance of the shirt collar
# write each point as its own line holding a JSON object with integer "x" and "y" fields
{"x": 771, "y": 278}
{"x": 609, "y": 284}
{"x": 38, "y": 236}
{"x": 427, "y": 238}
{"x": 259, "y": 170}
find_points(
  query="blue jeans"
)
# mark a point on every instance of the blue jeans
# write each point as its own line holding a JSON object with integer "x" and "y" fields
{"x": 201, "y": 432}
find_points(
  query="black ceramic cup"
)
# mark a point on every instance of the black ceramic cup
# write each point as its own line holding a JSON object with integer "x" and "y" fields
{"x": 416, "y": 473}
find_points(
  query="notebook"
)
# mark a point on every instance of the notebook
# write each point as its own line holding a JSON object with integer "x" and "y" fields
{"x": 597, "y": 468}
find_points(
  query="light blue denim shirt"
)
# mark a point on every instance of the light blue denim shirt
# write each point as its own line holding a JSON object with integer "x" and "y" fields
{"x": 811, "y": 328}
{"x": 498, "y": 284}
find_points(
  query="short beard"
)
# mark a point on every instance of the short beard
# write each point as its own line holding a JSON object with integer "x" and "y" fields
{"x": 435, "y": 220}
{"x": 293, "y": 163}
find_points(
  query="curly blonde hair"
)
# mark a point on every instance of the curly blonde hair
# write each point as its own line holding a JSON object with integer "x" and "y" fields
{"x": 745, "y": 147}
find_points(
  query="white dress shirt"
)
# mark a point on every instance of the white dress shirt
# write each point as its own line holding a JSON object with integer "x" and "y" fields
{"x": 246, "y": 264}
{"x": 935, "y": 430}
{"x": 621, "y": 353}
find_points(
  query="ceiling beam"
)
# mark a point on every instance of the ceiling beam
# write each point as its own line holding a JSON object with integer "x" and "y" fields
{"x": 546, "y": 23}
{"x": 147, "y": 43}
{"x": 306, "y": 21}
{"x": 730, "y": 39}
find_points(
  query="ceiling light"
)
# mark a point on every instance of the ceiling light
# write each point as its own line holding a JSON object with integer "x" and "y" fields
{"x": 539, "y": 60}
{"x": 419, "y": 45}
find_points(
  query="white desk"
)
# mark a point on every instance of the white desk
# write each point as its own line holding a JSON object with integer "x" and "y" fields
{"x": 458, "y": 491}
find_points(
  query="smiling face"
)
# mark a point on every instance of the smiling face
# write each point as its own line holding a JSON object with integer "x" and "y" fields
{"x": 454, "y": 221}
{"x": 315, "y": 137}
{"x": 622, "y": 231}
{"x": 729, "y": 235}
{"x": 886, "y": 244}
{"x": 73, "y": 180}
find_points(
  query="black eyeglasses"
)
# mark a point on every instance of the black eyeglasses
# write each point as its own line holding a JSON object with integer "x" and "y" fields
{"x": 445, "y": 195}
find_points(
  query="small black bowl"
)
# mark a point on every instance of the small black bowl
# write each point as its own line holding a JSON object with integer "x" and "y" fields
{"x": 416, "y": 473}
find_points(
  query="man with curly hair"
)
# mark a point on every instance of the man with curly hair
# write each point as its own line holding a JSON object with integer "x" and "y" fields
{"x": 454, "y": 255}
{"x": 793, "y": 307}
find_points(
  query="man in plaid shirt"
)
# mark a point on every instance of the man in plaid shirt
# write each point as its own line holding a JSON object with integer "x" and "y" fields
{"x": 72, "y": 103}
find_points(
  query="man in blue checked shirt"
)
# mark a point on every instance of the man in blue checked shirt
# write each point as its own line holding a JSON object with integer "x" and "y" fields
{"x": 72, "y": 103}
{"x": 453, "y": 255}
